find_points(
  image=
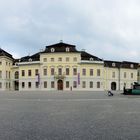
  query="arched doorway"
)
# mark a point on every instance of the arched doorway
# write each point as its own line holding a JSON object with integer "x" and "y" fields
{"x": 113, "y": 86}
{"x": 60, "y": 84}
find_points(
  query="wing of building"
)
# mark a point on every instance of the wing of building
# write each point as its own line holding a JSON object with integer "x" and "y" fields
{"x": 62, "y": 67}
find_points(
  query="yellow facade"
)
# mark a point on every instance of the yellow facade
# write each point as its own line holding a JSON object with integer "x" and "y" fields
{"x": 65, "y": 69}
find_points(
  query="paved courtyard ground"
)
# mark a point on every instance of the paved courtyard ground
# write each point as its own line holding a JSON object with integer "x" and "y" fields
{"x": 69, "y": 116}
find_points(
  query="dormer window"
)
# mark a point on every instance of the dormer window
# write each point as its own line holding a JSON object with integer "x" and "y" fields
{"x": 113, "y": 64}
{"x": 67, "y": 49}
{"x": 132, "y": 66}
{"x": 52, "y": 49}
{"x": 30, "y": 59}
{"x": 91, "y": 59}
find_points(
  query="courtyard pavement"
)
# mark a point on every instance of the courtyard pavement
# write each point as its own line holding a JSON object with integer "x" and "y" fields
{"x": 69, "y": 115}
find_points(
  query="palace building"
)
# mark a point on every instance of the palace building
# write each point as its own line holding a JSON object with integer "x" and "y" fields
{"x": 62, "y": 67}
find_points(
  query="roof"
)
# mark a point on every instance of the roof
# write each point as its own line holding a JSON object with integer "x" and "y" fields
{"x": 87, "y": 56}
{"x": 4, "y": 53}
{"x": 118, "y": 64}
{"x": 60, "y": 47}
{"x": 34, "y": 57}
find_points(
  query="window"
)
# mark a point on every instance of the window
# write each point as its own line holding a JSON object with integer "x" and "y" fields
{"x": 16, "y": 75}
{"x": 132, "y": 75}
{"x": 98, "y": 72}
{"x": 29, "y": 84}
{"x": 52, "y": 49}
{"x": 67, "y": 84}
{"x": 124, "y": 74}
{"x": 67, "y": 59}
{"x": 29, "y": 73}
{"x": 113, "y": 64}
{"x": 113, "y": 74}
{"x": 132, "y": 66}
{"x": 91, "y": 59}
{"x": 91, "y": 84}
{"x": 83, "y": 72}
{"x": 45, "y": 59}
{"x": 52, "y": 71}
{"x": 91, "y": 72}
{"x": 98, "y": 84}
{"x": 23, "y": 84}
{"x": 52, "y": 84}
{"x": 36, "y": 72}
{"x": 6, "y": 63}
{"x": 59, "y": 59}
{"x": 0, "y": 63}
{"x": 37, "y": 84}
{"x": 0, "y": 74}
{"x": 23, "y": 73}
{"x": 75, "y": 59}
{"x": 45, "y": 71}
{"x": 67, "y": 71}
{"x": 6, "y": 85}
{"x": 45, "y": 84}
{"x": 74, "y": 71}
{"x": 59, "y": 71}
{"x": 52, "y": 59}
{"x": 0, "y": 85}
{"x": 84, "y": 84}
{"x": 74, "y": 84}
{"x": 67, "y": 49}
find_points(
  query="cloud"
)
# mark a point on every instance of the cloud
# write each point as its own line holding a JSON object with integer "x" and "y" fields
{"x": 108, "y": 29}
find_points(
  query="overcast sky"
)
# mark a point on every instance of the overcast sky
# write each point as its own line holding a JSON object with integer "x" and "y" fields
{"x": 109, "y": 29}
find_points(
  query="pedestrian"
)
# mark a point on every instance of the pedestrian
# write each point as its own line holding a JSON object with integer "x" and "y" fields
{"x": 110, "y": 93}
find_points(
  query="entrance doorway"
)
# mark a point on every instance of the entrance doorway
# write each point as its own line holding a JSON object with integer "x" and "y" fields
{"x": 113, "y": 86}
{"x": 16, "y": 83}
{"x": 60, "y": 84}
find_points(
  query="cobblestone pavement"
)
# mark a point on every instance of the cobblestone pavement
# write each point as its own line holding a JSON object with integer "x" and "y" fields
{"x": 69, "y": 115}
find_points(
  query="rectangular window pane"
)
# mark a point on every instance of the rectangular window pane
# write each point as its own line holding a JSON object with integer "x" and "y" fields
{"x": 29, "y": 85}
{"x": 52, "y": 84}
{"x": 59, "y": 71}
{"x": 91, "y": 84}
{"x": 67, "y": 71}
{"x": 52, "y": 71}
{"x": 74, "y": 84}
{"x": 29, "y": 73}
{"x": 74, "y": 71}
{"x": 45, "y": 71}
{"x": 45, "y": 84}
{"x": 23, "y": 73}
{"x": 23, "y": 84}
{"x": 36, "y": 71}
{"x": 67, "y": 84}
{"x": 83, "y": 72}
{"x": 98, "y": 84}
{"x": 98, "y": 72}
{"x": 91, "y": 72}
{"x": 83, "y": 84}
